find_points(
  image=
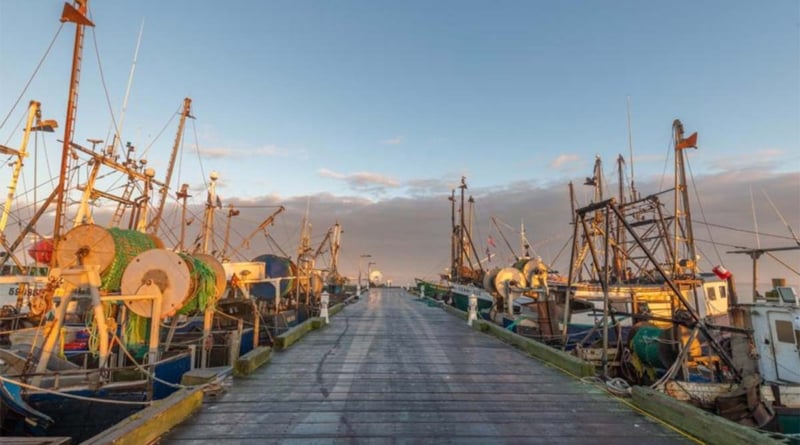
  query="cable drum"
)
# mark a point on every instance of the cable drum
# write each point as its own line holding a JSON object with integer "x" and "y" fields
{"x": 276, "y": 267}
{"x": 186, "y": 283}
{"x": 510, "y": 275}
{"x": 488, "y": 279}
{"x": 311, "y": 284}
{"x": 110, "y": 249}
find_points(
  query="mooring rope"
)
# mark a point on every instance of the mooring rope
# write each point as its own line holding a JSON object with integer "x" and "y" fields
{"x": 71, "y": 396}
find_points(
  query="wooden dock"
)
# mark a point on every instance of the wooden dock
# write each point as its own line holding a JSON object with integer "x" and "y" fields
{"x": 392, "y": 369}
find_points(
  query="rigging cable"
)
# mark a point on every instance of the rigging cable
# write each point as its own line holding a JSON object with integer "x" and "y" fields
{"x": 11, "y": 135}
{"x": 199, "y": 158}
{"x": 36, "y": 70}
{"x": 755, "y": 220}
{"x": 103, "y": 82}
{"x": 702, "y": 211}
{"x": 788, "y": 226}
{"x": 735, "y": 229}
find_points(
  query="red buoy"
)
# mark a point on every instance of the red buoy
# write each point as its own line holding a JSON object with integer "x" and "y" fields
{"x": 42, "y": 251}
{"x": 721, "y": 272}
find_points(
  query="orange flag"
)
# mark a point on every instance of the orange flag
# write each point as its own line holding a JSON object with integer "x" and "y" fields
{"x": 691, "y": 141}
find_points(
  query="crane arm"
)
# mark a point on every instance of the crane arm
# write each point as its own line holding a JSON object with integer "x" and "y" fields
{"x": 270, "y": 219}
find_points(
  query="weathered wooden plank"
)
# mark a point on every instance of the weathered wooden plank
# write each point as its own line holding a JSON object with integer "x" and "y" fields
{"x": 390, "y": 369}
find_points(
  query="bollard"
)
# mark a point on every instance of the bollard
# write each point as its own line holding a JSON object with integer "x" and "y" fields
{"x": 473, "y": 309}
{"x": 422, "y": 291}
{"x": 324, "y": 299}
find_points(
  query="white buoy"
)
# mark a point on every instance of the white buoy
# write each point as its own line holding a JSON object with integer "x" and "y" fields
{"x": 422, "y": 291}
{"x": 473, "y": 309}
{"x": 324, "y": 299}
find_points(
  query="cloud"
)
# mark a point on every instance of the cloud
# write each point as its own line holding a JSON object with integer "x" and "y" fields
{"x": 397, "y": 140}
{"x": 563, "y": 160}
{"x": 238, "y": 153}
{"x": 363, "y": 181}
{"x": 409, "y": 236}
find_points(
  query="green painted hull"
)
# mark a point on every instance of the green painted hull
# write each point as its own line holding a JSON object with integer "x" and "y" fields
{"x": 461, "y": 302}
{"x": 432, "y": 290}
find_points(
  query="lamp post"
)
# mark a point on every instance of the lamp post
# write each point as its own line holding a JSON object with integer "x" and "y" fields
{"x": 358, "y": 285}
{"x": 369, "y": 272}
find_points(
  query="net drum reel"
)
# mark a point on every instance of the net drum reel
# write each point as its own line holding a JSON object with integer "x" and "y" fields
{"x": 311, "y": 284}
{"x": 185, "y": 282}
{"x": 220, "y": 278}
{"x": 535, "y": 272}
{"x": 111, "y": 250}
{"x": 508, "y": 276}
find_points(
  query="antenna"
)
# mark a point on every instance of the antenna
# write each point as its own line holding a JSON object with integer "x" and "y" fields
{"x": 786, "y": 223}
{"x": 118, "y": 134}
{"x": 755, "y": 221}
{"x": 630, "y": 150}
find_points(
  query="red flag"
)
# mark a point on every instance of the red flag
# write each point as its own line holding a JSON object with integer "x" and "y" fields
{"x": 491, "y": 241}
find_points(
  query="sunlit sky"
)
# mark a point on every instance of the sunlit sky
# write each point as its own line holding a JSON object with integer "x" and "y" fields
{"x": 378, "y": 100}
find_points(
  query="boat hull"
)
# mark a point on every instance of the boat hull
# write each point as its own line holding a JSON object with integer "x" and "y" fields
{"x": 460, "y": 294}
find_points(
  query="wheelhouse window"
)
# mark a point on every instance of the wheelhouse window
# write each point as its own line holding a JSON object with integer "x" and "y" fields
{"x": 785, "y": 331}
{"x": 711, "y": 293}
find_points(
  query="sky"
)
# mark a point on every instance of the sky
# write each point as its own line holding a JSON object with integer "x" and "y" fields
{"x": 370, "y": 112}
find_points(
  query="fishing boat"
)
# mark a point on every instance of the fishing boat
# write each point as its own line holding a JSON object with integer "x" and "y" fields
{"x": 466, "y": 274}
{"x": 764, "y": 347}
{"x": 94, "y": 354}
{"x": 431, "y": 289}
{"x": 21, "y": 281}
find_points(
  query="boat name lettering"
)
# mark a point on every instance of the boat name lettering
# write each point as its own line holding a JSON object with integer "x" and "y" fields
{"x": 14, "y": 291}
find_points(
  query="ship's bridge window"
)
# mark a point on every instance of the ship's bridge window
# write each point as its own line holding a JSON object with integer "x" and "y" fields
{"x": 785, "y": 331}
{"x": 723, "y": 293}
{"x": 711, "y": 293}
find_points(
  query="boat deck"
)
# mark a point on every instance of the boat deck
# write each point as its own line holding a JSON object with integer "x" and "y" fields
{"x": 392, "y": 369}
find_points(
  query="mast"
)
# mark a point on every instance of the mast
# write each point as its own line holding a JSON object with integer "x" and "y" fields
{"x": 34, "y": 112}
{"x": 619, "y": 258}
{"x": 596, "y": 182}
{"x": 164, "y": 191}
{"x": 683, "y": 233}
{"x": 463, "y": 187}
{"x": 183, "y": 195}
{"x": 335, "y": 242}
{"x": 634, "y": 193}
{"x": 453, "y": 242}
{"x": 208, "y": 217}
{"x": 75, "y": 14}
{"x": 226, "y": 244}
{"x": 572, "y": 269}
{"x": 468, "y": 230}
